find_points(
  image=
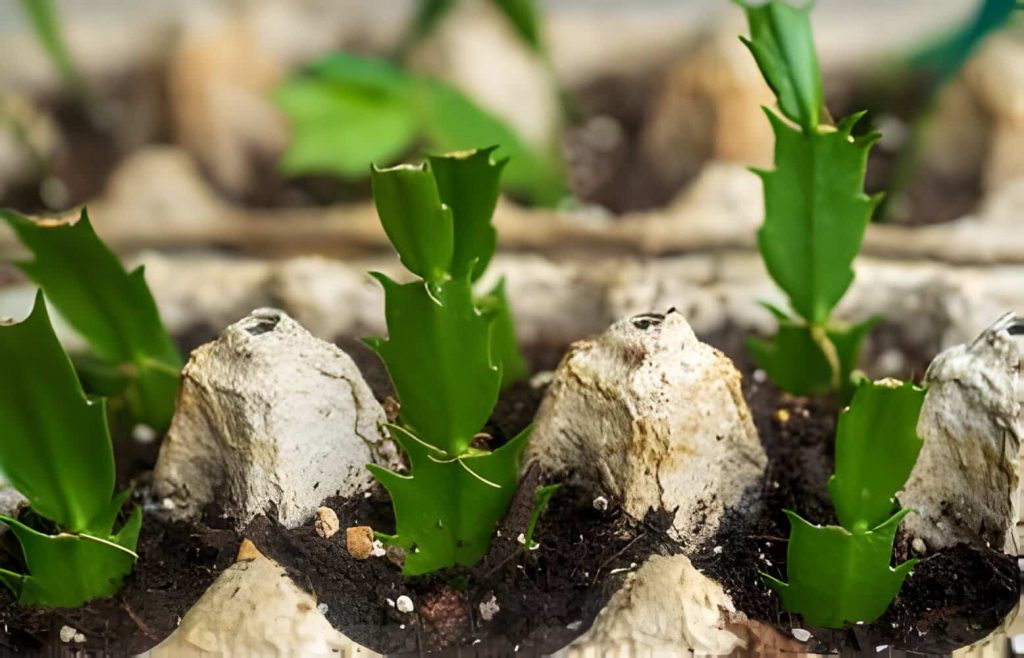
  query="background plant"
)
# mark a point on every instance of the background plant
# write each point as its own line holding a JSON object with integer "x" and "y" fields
{"x": 111, "y": 308}
{"x": 816, "y": 211}
{"x": 346, "y": 111}
{"x": 448, "y": 353}
{"x": 840, "y": 574}
{"x": 56, "y": 450}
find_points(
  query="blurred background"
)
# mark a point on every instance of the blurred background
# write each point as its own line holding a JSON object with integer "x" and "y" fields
{"x": 227, "y": 144}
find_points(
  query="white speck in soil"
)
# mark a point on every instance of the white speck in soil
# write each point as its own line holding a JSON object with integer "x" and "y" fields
{"x": 143, "y": 433}
{"x": 574, "y": 625}
{"x": 378, "y": 549}
{"x": 476, "y": 642}
{"x": 919, "y": 546}
{"x": 489, "y": 608}
{"x": 367, "y": 494}
{"x": 760, "y": 376}
{"x": 322, "y": 608}
{"x": 601, "y": 504}
{"x": 167, "y": 503}
{"x": 521, "y": 539}
{"x": 717, "y": 550}
{"x": 67, "y": 633}
{"x": 79, "y": 638}
{"x": 801, "y": 635}
{"x": 881, "y": 647}
{"x": 391, "y": 602}
{"x": 404, "y": 604}
{"x": 401, "y": 626}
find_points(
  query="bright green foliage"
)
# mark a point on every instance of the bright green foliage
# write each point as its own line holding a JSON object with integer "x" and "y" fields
{"x": 797, "y": 363}
{"x": 447, "y": 510}
{"x": 111, "y": 308}
{"x": 55, "y": 449}
{"x": 348, "y": 111}
{"x": 843, "y": 574}
{"x": 882, "y": 421}
{"x": 783, "y": 45}
{"x": 816, "y": 211}
{"x": 836, "y": 576}
{"x": 438, "y": 353}
{"x": 445, "y": 352}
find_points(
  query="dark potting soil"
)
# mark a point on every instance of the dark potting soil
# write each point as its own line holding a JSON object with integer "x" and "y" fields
{"x": 544, "y": 597}
{"x": 177, "y": 562}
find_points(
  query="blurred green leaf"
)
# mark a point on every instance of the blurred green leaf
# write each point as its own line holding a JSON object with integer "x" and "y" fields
{"x": 341, "y": 130}
{"x": 56, "y": 451}
{"x": 348, "y": 112}
{"x": 438, "y": 353}
{"x": 112, "y": 309}
{"x": 448, "y": 508}
{"x": 522, "y": 14}
{"x": 782, "y": 43}
{"x": 46, "y": 24}
{"x": 837, "y": 576}
{"x": 876, "y": 448}
{"x": 417, "y": 223}
{"x": 945, "y": 57}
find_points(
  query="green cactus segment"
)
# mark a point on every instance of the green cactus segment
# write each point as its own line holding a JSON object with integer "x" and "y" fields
{"x": 839, "y": 575}
{"x": 111, "y": 308}
{"x": 55, "y": 449}
{"x": 448, "y": 508}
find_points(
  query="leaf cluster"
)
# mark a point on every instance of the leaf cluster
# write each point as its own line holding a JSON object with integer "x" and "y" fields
{"x": 840, "y": 574}
{"x": 347, "y": 111}
{"x": 448, "y": 353}
{"x": 816, "y": 211}
{"x": 112, "y": 309}
{"x": 55, "y": 449}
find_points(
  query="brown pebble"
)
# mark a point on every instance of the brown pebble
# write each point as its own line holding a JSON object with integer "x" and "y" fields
{"x": 359, "y": 540}
{"x": 326, "y": 523}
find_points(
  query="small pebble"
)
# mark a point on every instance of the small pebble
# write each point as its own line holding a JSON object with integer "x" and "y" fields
{"x": 489, "y": 608}
{"x": 79, "y": 638}
{"x": 521, "y": 539}
{"x": 167, "y": 503}
{"x": 801, "y": 634}
{"x": 404, "y": 604}
{"x": 359, "y": 541}
{"x": 601, "y": 504}
{"x": 326, "y": 523}
{"x": 918, "y": 546}
{"x": 67, "y": 633}
{"x": 760, "y": 376}
{"x": 378, "y": 549}
{"x": 391, "y": 602}
{"x": 717, "y": 550}
{"x": 321, "y": 608}
{"x": 143, "y": 433}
